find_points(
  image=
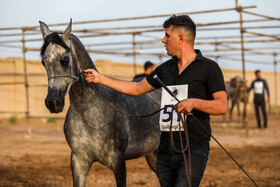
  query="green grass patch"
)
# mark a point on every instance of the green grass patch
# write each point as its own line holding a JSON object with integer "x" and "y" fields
{"x": 13, "y": 119}
{"x": 51, "y": 120}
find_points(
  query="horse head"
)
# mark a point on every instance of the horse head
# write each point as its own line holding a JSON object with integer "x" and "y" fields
{"x": 57, "y": 58}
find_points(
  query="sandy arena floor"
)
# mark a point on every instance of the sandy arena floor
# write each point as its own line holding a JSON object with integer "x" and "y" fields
{"x": 35, "y": 153}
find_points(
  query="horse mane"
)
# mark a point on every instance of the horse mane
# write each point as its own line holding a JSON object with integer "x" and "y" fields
{"x": 54, "y": 38}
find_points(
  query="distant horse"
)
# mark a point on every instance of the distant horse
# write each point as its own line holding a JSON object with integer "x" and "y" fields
{"x": 237, "y": 91}
{"x": 94, "y": 131}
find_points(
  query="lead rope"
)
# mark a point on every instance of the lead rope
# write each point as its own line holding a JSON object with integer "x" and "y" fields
{"x": 187, "y": 162}
{"x": 122, "y": 112}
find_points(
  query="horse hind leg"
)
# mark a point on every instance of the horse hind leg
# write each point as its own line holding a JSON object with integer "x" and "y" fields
{"x": 151, "y": 159}
{"x": 80, "y": 167}
{"x": 244, "y": 119}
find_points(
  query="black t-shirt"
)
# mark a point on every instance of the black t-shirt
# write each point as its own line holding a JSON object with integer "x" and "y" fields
{"x": 139, "y": 75}
{"x": 204, "y": 77}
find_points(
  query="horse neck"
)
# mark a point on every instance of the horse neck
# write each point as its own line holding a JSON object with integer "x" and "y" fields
{"x": 81, "y": 91}
{"x": 81, "y": 55}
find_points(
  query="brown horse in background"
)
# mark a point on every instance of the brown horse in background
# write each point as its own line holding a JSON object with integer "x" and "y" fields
{"x": 237, "y": 92}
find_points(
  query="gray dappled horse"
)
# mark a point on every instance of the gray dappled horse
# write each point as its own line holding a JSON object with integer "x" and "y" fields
{"x": 94, "y": 131}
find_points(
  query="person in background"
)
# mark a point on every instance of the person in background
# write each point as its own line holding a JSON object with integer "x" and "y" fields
{"x": 259, "y": 85}
{"x": 148, "y": 69}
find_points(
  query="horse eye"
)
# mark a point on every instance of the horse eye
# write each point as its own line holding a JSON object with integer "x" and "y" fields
{"x": 64, "y": 61}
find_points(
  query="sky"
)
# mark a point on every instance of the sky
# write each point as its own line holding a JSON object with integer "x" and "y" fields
{"x": 17, "y": 13}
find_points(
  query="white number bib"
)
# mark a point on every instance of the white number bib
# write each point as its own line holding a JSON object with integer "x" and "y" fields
{"x": 181, "y": 92}
{"x": 258, "y": 87}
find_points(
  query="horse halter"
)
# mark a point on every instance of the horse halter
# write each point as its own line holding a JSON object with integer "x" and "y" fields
{"x": 71, "y": 75}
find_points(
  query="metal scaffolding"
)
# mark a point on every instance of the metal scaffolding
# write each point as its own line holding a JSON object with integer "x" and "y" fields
{"x": 224, "y": 46}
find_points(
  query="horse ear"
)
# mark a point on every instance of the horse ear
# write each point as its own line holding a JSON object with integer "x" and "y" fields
{"x": 44, "y": 29}
{"x": 67, "y": 33}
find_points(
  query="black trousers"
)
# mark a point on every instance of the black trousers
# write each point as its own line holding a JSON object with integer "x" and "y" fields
{"x": 259, "y": 102}
{"x": 171, "y": 168}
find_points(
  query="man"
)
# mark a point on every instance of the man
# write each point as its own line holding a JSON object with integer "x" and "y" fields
{"x": 148, "y": 69}
{"x": 259, "y": 85}
{"x": 206, "y": 95}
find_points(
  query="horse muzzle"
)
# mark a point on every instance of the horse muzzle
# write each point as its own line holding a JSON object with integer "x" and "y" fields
{"x": 54, "y": 102}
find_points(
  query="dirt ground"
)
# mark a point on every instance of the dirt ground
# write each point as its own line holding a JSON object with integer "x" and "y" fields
{"x": 35, "y": 153}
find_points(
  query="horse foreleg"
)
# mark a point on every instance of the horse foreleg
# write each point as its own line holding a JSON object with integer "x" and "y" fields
{"x": 244, "y": 111}
{"x": 80, "y": 167}
{"x": 151, "y": 159}
{"x": 238, "y": 108}
{"x": 119, "y": 170}
{"x": 231, "y": 109}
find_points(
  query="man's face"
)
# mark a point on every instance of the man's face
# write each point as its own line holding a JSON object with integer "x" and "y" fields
{"x": 171, "y": 41}
{"x": 258, "y": 75}
{"x": 149, "y": 70}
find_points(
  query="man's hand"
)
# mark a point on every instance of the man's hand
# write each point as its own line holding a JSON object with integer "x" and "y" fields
{"x": 92, "y": 76}
{"x": 186, "y": 106}
{"x": 216, "y": 106}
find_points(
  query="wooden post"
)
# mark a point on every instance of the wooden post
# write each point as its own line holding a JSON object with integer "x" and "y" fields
{"x": 240, "y": 9}
{"x": 275, "y": 81}
{"x": 25, "y": 73}
{"x": 216, "y": 51}
{"x": 160, "y": 59}
{"x": 134, "y": 53}
{"x": 15, "y": 88}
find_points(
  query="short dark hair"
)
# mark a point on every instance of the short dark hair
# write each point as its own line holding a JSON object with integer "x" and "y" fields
{"x": 257, "y": 71}
{"x": 181, "y": 21}
{"x": 147, "y": 65}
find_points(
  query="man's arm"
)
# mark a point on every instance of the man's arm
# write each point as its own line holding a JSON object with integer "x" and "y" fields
{"x": 266, "y": 87}
{"x": 252, "y": 85}
{"x": 217, "y": 106}
{"x": 125, "y": 87}
{"x": 267, "y": 91}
